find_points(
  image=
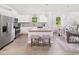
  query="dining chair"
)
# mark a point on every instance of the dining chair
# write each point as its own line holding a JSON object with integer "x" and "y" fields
{"x": 35, "y": 40}
{"x": 46, "y": 40}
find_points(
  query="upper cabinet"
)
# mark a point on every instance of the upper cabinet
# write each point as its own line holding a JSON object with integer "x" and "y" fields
{"x": 43, "y": 18}
{"x": 24, "y": 18}
{"x": 32, "y": 19}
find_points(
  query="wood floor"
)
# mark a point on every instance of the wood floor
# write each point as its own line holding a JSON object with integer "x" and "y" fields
{"x": 20, "y": 47}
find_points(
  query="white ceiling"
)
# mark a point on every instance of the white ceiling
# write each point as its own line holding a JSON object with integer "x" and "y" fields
{"x": 36, "y": 8}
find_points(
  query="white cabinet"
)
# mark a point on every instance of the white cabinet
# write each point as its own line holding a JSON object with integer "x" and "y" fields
{"x": 42, "y": 18}
{"x": 24, "y": 30}
{"x": 28, "y": 18}
{"x": 24, "y": 18}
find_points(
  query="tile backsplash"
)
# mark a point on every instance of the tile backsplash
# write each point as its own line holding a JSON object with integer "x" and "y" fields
{"x": 27, "y": 24}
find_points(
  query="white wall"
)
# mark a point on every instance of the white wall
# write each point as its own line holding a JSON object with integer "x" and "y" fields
{"x": 68, "y": 13}
{"x": 38, "y": 8}
{"x": 7, "y": 11}
{"x": 68, "y": 18}
{"x": 24, "y": 18}
{"x": 28, "y": 18}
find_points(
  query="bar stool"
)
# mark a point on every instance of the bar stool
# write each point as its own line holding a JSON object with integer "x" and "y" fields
{"x": 35, "y": 40}
{"x": 46, "y": 40}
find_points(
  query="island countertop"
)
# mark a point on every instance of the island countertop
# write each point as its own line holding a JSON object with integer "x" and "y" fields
{"x": 40, "y": 30}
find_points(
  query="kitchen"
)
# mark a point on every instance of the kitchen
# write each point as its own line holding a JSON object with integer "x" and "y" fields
{"x": 25, "y": 28}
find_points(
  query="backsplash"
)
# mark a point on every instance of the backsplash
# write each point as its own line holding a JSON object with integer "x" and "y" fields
{"x": 28, "y": 24}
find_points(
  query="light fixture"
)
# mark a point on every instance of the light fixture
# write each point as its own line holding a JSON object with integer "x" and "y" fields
{"x": 46, "y": 10}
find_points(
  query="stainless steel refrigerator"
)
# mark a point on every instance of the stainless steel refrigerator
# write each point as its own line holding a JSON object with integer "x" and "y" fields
{"x": 6, "y": 26}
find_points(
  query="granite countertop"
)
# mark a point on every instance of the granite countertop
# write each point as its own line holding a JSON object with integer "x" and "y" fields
{"x": 40, "y": 30}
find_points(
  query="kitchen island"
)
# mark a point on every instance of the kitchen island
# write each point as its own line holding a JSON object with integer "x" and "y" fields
{"x": 40, "y": 32}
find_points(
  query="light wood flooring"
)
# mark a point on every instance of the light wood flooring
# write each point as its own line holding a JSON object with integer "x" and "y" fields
{"x": 20, "y": 47}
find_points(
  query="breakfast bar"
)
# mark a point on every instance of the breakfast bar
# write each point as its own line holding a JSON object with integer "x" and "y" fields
{"x": 40, "y": 32}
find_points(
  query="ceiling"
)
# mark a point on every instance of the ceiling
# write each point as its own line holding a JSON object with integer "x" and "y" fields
{"x": 40, "y": 8}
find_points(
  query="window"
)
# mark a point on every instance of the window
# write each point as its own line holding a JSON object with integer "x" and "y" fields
{"x": 34, "y": 19}
{"x": 58, "y": 21}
